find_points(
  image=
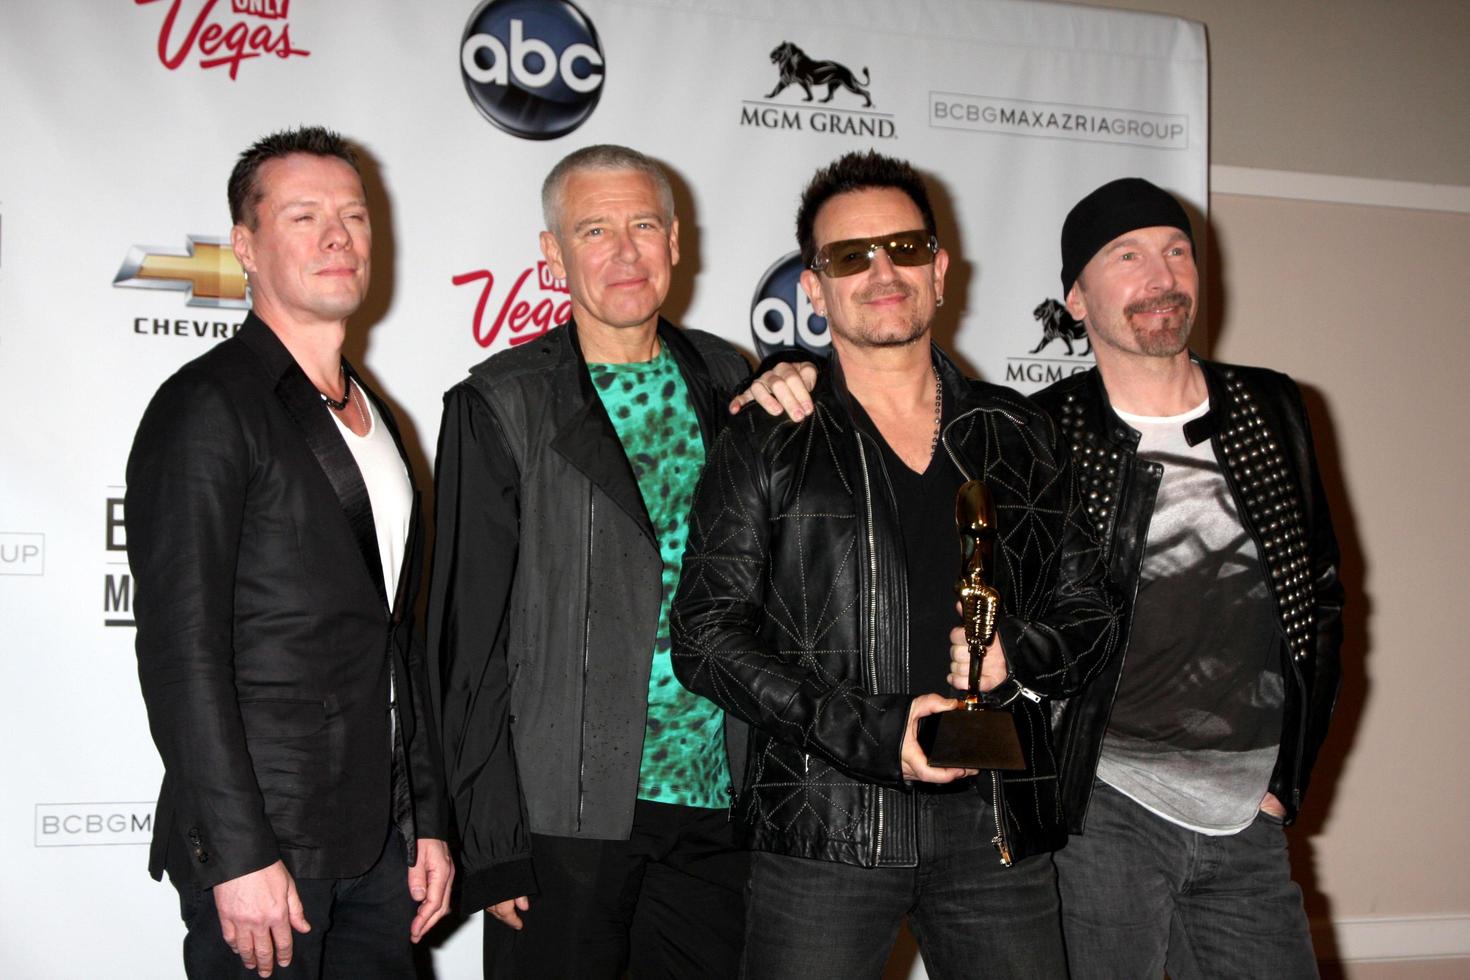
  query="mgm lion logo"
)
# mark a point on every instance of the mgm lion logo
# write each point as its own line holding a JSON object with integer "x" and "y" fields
{"x": 1057, "y": 323}
{"x": 798, "y": 69}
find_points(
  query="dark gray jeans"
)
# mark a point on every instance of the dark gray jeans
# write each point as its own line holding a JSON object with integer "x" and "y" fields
{"x": 972, "y": 917}
{"x": 1141, "y": 894}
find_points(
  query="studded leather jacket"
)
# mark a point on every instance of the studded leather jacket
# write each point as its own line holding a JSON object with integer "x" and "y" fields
{"x": 792, "y": 614}
{"x": 1259, "y": 431}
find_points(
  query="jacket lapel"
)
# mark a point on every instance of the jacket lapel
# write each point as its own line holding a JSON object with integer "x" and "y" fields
{"x": 410, "y": 545}
{"x": 696, "y": 378}
{"x": 409, "y": 564}
{"x": 304, "y": 404}
{"x": 590, "y": 443}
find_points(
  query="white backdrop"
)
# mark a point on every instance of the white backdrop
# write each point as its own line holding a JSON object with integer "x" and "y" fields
{"x": 120, "y": 121}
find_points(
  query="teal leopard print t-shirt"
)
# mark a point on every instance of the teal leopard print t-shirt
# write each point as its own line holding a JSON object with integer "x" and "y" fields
{"x": 683, "y": 743}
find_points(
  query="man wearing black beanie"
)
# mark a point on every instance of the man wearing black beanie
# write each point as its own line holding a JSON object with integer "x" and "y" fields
{"x": 1187, "y": 754}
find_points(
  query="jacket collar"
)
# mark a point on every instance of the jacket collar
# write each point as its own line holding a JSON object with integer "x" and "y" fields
{"x": 587, "y": 438}
{"x": 303, "y": 403}
{"x": 1196, "y": 431}
{"x": 966, "y": 393}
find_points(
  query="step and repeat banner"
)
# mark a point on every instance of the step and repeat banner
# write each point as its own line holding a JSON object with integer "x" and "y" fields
{"x": 120, "y": 121}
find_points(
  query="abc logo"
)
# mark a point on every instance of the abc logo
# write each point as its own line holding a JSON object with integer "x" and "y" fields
{"x": 532, "y": 67}
{"x": 781, "y": 316}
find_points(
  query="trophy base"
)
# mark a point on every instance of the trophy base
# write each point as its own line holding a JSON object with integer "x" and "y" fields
{"x": 972, "y": 737}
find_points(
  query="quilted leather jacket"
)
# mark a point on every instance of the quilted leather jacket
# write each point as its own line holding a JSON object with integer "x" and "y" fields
{"x": 1259, "y": 431}
{"x": 792, "y": 615}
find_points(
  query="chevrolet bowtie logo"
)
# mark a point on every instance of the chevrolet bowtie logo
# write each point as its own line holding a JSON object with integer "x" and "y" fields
{"x": 206, "y": 269}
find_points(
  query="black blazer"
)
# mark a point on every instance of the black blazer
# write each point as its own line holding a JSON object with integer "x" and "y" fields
{"x": 264, "y": 643}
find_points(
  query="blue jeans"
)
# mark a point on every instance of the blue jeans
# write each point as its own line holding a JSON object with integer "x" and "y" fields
{"x": 1141, "y": 894}
{"x": 972, "y": 917}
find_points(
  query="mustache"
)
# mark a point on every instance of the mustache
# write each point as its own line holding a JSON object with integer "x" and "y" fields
{"x": 1181, "y": 300}
{"x": 883, "y": 290}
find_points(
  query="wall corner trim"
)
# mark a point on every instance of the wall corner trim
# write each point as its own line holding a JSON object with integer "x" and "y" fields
{"x": 1333, "y": 189}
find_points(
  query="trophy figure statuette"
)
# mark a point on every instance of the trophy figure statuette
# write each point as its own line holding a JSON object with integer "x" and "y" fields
{"x": 981, "y": 734}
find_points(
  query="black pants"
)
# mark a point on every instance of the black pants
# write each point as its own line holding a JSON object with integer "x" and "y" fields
{"x": 667, "y": 902}
{"x": 359, "y": 926}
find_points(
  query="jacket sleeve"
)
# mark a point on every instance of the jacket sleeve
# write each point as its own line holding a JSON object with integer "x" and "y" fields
{"x": 1057, "y": 648}
{"x": 477, "y": 532}
{"x": 1327, "y": 593}
{"x": 188, "y": 475}
{"x": 426, "y": 760}
{"x": 720, "y": 648}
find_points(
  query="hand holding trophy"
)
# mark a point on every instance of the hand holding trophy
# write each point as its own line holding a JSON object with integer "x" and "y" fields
{"x": 982, "y": 733}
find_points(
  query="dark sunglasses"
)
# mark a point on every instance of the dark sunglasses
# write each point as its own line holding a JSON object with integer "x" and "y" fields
{"x": 854, "y": 255}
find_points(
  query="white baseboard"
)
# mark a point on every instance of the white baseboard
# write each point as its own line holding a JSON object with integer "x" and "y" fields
{"x": 1395, "y": 938}
{"x": 1292, "y": 185}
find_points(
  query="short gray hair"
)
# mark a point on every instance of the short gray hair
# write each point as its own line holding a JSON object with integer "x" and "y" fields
{"x": 603, "y": 157}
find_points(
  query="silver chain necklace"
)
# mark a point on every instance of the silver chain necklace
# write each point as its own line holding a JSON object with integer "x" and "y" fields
{"x": 938, "y": 411}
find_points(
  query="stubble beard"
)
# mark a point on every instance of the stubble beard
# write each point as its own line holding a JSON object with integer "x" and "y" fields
{"x": 875, "y": 333}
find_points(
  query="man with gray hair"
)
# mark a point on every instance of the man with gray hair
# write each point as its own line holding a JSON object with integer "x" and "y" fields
{"x": 591, "y": 789}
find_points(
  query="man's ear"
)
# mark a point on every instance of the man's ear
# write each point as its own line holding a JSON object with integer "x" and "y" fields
{"x": 242, "y": 243}
{"x": 674, "y": 242}
{"x": 812, "y": 283}
{"x": 551, "y": 249}
{"x": 1076, "y": 302}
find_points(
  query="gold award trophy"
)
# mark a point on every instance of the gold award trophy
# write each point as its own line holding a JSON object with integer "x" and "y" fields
{"x": 981, "y": 734}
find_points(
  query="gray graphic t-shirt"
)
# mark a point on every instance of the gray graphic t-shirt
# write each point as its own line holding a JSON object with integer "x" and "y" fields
{"x": 1196, "y": 725}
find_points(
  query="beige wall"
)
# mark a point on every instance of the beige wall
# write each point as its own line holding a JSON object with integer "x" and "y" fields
{"x": 1365, "y": 88}
{"x": 1357, "y": 303}
{"x": 1363, "y": 305}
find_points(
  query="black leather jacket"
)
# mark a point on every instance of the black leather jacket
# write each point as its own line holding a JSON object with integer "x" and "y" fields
{"x": 1259, "y": 431}
{"x": 792, "y": 614}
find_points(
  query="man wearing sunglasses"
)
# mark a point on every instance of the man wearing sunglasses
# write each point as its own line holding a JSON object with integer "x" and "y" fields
{"x": 1186, "y": 756}
{"x": 816, "y": 603}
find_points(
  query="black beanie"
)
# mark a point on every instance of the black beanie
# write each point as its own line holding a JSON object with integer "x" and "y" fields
{"x": 1115, "y": 209}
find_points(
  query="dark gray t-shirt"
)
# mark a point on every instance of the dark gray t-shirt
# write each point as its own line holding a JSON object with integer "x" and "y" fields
{"x": 1196, "y": 725}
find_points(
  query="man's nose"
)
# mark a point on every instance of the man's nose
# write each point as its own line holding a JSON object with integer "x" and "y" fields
{"x": 881, "y": 265}
{"x": 1160, "y": 274}
{"x": 626, "y": 248}
{"x": 335, "y": 233}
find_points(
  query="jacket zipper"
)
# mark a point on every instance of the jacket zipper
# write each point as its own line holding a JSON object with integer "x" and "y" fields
{"x": 1000, "y": 841}
{"x": 1002, "y": 844}
{"x": 586, "y": 663}
{"x": 872, "y": 623}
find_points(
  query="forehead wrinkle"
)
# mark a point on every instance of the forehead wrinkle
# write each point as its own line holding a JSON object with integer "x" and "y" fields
{"x": 297, "y": 202}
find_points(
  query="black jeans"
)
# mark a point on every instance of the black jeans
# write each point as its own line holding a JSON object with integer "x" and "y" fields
{"x": 1140, "y": 893}
{"x": 359, "y": 926}
{"x": 666, "y": 902}
{"x": 972, "y": 916}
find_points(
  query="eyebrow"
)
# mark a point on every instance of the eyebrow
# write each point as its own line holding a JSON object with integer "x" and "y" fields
{"x": 1128, "y": 241}
{"x": 600, "y": 220}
